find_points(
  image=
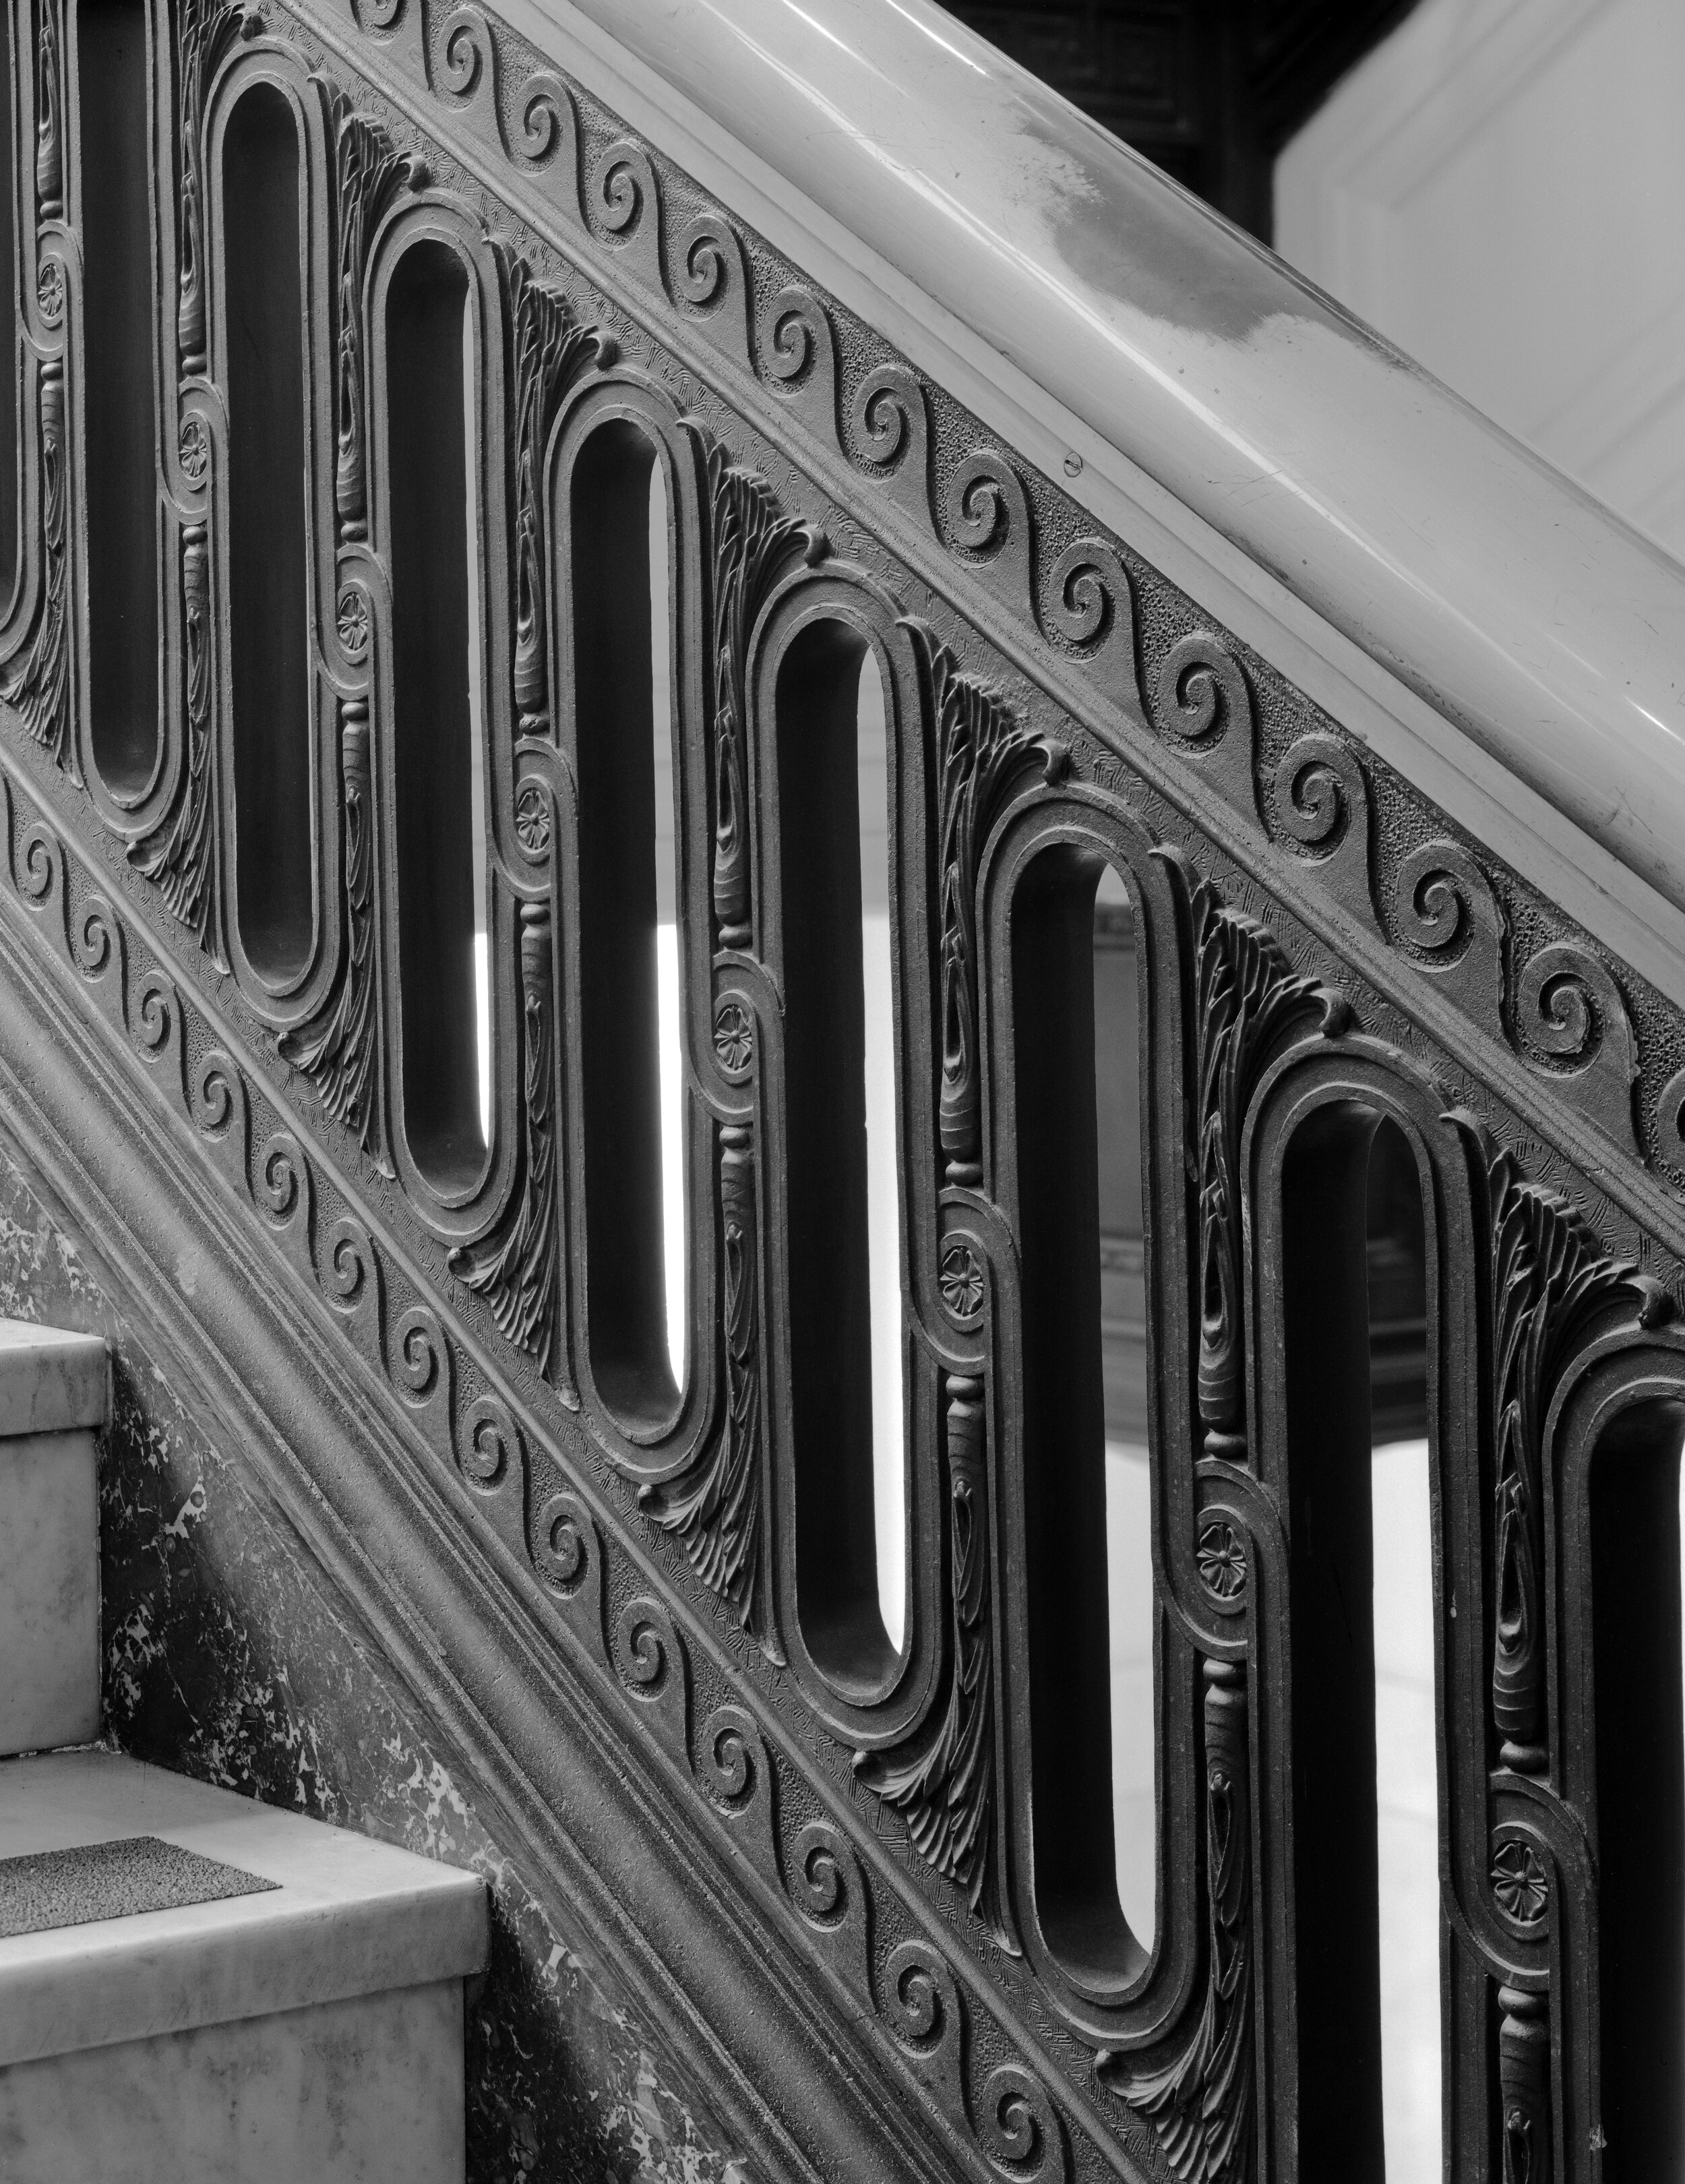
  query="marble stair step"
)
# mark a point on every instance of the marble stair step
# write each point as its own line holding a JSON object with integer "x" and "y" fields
{"x": 310, "y": 2027}
{"x": 53, "y": 1399}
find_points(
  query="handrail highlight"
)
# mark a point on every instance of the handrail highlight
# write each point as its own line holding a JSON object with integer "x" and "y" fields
{"x": 1539, "y": 622}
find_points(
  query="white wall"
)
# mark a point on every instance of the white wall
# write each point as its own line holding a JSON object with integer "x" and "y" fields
{"x": 1500, "y": 190}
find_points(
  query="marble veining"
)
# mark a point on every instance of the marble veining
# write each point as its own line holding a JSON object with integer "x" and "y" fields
{"x": 227, "y": 1657}
{"x": 344, "y": 1917}
{"x": 362, "y": 2092}
{"x": 53, "y": 1379}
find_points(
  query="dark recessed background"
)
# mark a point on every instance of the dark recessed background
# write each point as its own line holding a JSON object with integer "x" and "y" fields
{"x": 1211, "y": 89}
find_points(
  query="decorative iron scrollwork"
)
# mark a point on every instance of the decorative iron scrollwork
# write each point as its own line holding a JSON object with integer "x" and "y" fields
{"x": 1551, "y": 1281}
{"x": 751, "y": 543}
{"x": 39, "y": 685}
{"x": 549, "y": 346}
{"x": 944, "y": 1783}
{"x": 984, "y": 755}
{"x": 1249, "y": 999}
{"x": 517, "y": 1268}
{"x": 714, "y": 1507}
{"x": 1202, "y": 2103}
{"x": 1022, "y": 586}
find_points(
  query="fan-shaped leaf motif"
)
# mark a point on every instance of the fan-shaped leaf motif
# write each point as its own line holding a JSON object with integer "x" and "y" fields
{"x": 714, "y": 1507}
{"x": 1551, "y": 1282}
{"x": 180, "y": 856}
{"x": 205, "y": 29}
{"x": 516, "y": 1269}
{"x": 40, "y": 686}
{"x": 549, "y": 346}
{"x": 984, "y": 755}
{"x": 1249, "y": 998}
{"x": 367, "y": 171}
{"x": 752, "y": 543}
{"x": 1201, "y": 2102}
{"x": 336, "y": 1049}
{"x": 944, "y": 1783}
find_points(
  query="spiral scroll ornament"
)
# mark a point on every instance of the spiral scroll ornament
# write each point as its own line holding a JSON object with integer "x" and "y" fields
{"x": 818, "y": 1883}
{"x": 641, "y": 1641}
{"x": 1203, "y": 699}
{"x": 350, "y": 1266}
{"x": 419, "y": 1356}
{"x": 1570, "y": 1017}
{"x": 1446, "y": 909}
{"x": 1019, "y": 2128}
{"x": 1090, "y": 598}
{"x": 282, "y": 1176}
{"x": 491, "y": 1447}
{"x": 544, "y": 107}
{"x": 920, "y": 2002}
{"x": 467, "y": 52}
{"x": 731, "y": 1759}
{"x": 564, "y": 1541}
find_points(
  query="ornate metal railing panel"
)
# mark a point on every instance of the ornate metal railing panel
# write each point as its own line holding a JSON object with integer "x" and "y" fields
{"x": 1317, "y": 952}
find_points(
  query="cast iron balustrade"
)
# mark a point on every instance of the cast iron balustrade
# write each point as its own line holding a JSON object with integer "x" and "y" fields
{"x": 781, "y": 991}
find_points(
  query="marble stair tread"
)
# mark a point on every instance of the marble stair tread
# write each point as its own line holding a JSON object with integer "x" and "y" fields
{"x": 346, "y": 1917}
{"x": 51, "y": 1380}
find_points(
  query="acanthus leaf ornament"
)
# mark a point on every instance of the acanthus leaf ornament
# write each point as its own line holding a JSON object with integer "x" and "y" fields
{"x": 1248, "y": 999}
{"x": 39, "y": 687}
{"x": 49, "y": 110}
{"x": 943, "y": 1782}
{"x": 984, "y": 755}
{"x": 550, "y": 345}
{"x": 180, "y": 856}
{"x": 752, "y": 543}
{"x": 367, "y": 174}
{"x": 714, "y": 1507}
{"x": 1551, "y": 1284}
{"x": 336, "y": 1048}
{"x": 205, "y": 29}
{"x": 517, "y": 1268}
{"x": 1201, "y": 2102}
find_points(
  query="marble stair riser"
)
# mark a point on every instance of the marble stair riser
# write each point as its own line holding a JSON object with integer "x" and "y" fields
{"x": 368, "y": 2091}
{"x": 53, "y": 1400}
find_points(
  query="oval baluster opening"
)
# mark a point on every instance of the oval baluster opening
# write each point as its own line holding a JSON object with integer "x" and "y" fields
{"x": 1361, "y": 1606}
{"x": 1638, "y": 1541}
{"x": 439, "y": 758}
{"x": 1091, "y": 1612}
{"x": 846, "y": 1343}
{"x": 266, "y": 378}
{"x": 630, "y": 940}
{"x": 119, "y": 392}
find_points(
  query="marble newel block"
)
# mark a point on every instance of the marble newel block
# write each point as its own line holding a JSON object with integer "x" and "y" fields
{"x": 53, "y": 1399}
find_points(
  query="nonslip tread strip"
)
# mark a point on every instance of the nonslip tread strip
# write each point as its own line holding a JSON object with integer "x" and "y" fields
{"x": 116, "y": 1879}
